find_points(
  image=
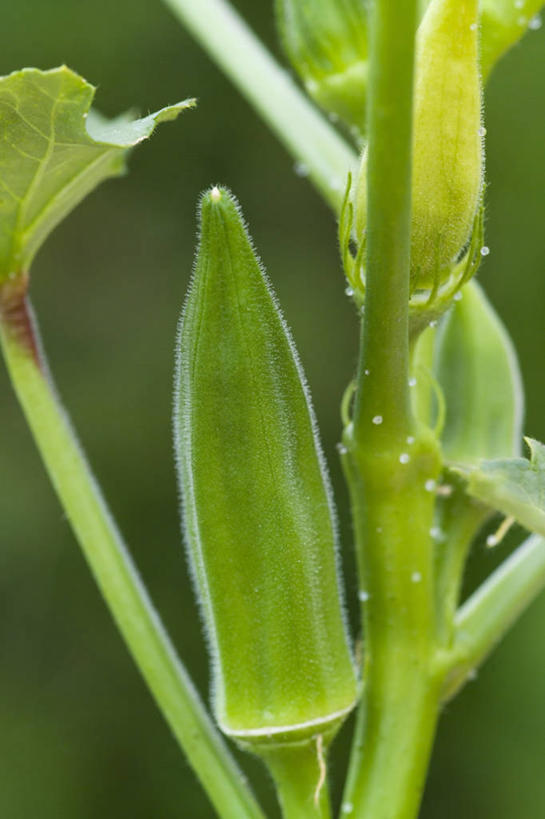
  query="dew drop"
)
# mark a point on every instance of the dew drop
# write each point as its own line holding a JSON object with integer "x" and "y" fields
{"x": 430, "y": 485}
{"x": 433, "y": 323}
{"x": 485, "y": 250}
{"x": 458, "y": 296}
{"x": 491, "y": 541}
{"x": 363, "y": 595}
{"x": 301, "y": 169}
{"x": 519, "y": 4}
{"x": 482, "y": 131}
{"x": 416, "y": 577}
{"x": 377, "y": 420}
{"x": 412, "y": 382}
{"x": 366, "y": 372}
{"x": 535, "y": 23}
{"x": 437, "y": 533}
{"x": 472, "y": 675}
{"x": 341, "y": 449}
{"x": 404, "y": 458}
{"x": 410, "y": 439}
{"x": 473, "y": 27}
{"x": 347, "y": 807}
{"x": 349, "y": 292}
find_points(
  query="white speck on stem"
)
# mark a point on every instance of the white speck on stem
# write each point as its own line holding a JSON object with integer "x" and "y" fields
{"x": 430, "y": 485}
{"x": 412, "y": 382}
{"x": 437, "y": 533}
{"x": 473, "y": 27}
{"x": 404, "y": 458}
{"x": 367, "y": 372}
{"x": 433, "y": 323}
{"x": 349, "y": 291}
{"x": 416, "y": 577}
{"x": 410, "y": 439}
{"x": 458, "y": 296}
{"x": 347, "y": 807}
{"x": 377, "y": 420}
{"x": 535, "y": 23}
{"x": 363, "y": 596}
{"x": 301, "y": 169}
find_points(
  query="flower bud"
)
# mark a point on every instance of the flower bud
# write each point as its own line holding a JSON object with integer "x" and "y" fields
{"x": 503, "y": 24}
{"x": 447, "y": 141}
{"x": 326, "y": 42}
{"x": 477, "y": 370}
{"x": 258, "y": 514}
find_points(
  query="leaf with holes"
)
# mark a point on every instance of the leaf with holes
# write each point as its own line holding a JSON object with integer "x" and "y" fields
{"x": 54, "y": 151}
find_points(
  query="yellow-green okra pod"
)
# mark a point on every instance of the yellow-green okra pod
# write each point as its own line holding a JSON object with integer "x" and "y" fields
{"x": 258, "y": 517}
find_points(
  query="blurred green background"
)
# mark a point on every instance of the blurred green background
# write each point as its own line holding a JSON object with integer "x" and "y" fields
{"x": 80, "y": 737}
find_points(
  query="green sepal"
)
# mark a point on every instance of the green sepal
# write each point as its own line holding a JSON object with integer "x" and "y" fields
{"x": 513, "y": 486}
{"x": 326, "y": 42}
{"x": 54, "y": 152}
{"x": 258, "y": 515}
{"x": 504, "y": 22}
{"x": 477, "y": 370}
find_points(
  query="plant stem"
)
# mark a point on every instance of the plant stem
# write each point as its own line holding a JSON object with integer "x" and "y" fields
{"x": 399, "y": 709}
{"x": 301, "y": 128}
{"x": 489, "y": 613}
{"x": 461, "y": 519}
{"x": 386, "y": 469}
{"x": 111, "y": 564}
{"x": 384, "y": 351}
{"x": 299, "y": 773}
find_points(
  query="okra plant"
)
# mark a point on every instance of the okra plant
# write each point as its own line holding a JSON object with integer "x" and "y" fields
{"x": 390, "y": 128}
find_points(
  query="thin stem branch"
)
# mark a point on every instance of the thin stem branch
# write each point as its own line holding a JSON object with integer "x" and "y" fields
{"x": 384, "y": 358}
{"x": 489, "y": 613}
{"x": 303, "y": 131}
{"x": 111, "y": 564}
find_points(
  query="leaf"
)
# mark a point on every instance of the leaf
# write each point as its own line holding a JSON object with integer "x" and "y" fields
{"x": 54, "y": 151}
{"x": 513, "y": 486}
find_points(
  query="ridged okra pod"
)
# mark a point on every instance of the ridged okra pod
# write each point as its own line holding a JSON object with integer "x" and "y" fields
{"x": 258, "y": 516}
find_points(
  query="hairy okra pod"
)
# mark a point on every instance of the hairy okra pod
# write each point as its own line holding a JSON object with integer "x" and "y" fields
{"x": 258, "y": 515}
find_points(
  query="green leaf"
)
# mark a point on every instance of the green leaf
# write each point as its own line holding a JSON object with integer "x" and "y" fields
{"x": 258, "y": 514}
{"x": 54, "y": 151}
{"x": 513, "y": 486}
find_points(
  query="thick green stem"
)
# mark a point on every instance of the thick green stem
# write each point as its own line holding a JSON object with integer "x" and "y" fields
{"x": 384, "y": 357}
{"x": 111, "y": 564}
{"x": 308, "y": 137}
{"x": 300, "y": 776}
{"x": 489, "y": 613}
{"x": 399, "y": 709}
{"x": 389, "y": 462}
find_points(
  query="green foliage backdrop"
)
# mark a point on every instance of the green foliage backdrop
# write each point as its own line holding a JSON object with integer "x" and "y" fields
{"x": 79, "y": 734}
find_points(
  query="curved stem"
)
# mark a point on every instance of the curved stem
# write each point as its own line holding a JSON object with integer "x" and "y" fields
{"x": 270, "y": 90}
{"x": 111, "y": 564}
{"x": 489, "y": 613}
{"x": 461, "y": 519}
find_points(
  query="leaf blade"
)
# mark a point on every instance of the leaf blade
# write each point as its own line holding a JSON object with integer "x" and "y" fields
{"x": 50, "y": 159}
